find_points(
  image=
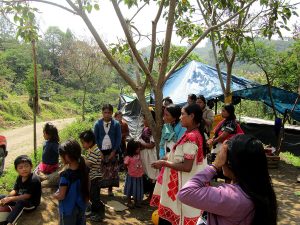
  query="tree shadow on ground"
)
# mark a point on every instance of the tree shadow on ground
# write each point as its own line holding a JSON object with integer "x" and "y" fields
{"x": 284, "y": 180}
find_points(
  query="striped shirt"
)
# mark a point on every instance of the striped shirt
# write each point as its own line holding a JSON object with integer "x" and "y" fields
{"x": 95, "y": 157}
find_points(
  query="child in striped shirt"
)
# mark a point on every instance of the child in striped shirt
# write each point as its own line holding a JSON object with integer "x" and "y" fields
{"x": 94, "y": 159}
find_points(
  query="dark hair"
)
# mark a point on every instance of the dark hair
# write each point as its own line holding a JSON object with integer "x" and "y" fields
{"x": 108, "y": 106}
{"x": 202, "y": 98}
{"x": 167, "y": 99}
{"x": 132, "y": 146}
{"x": 210, "y": 103}
{"x": 72, "y": 149}
{"x": 196, "y": 110}
{"x": 192, "y": 97}
{"x": 22, "y": 159}
{"x": 248, "y": 162}
{"x": 118, "y": 113}
{"x": 88, "y": 136}
{"x": 230, "y": 109}
{"x": 175, "y": 111}
{"x": 51, "y": 131}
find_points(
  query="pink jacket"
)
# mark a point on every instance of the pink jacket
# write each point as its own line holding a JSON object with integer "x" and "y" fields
{"x": 226, "y": 204}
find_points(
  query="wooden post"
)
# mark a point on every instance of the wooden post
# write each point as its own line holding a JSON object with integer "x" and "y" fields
{"x": 36, "y": 99}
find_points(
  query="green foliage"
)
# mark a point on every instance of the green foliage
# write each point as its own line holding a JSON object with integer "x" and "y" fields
{"x": 73, "y": 130}
{"x": 282, "y": 67}
{"x": 290, "y": 158}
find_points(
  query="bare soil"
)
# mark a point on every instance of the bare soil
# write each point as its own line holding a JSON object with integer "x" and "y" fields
{"x": 284, "y": 180}
{"x": 20, "y": 140}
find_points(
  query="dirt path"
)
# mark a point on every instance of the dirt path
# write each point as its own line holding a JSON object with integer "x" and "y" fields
{"x": 284, "y": 180}
{"x": 20, "y": 140}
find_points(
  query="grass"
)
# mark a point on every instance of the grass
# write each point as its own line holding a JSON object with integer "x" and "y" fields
{"x": 73, "y": 130}
{"x": 290, "y": 158}
{"x": 15, "y": 111}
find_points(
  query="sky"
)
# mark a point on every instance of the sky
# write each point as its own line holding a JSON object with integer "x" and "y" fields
{"x": 106, "y": 22}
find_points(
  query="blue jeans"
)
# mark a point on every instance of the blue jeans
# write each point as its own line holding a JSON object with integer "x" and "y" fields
{"x": 76, "y": 218}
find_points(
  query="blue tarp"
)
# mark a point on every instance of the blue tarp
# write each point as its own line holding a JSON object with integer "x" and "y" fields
{"x": 200, "y": 79}
{"x": 283, "y": 100}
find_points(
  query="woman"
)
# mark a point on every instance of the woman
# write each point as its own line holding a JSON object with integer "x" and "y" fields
{"x": 226, "y": 129}
{"x": 108, "y": 138}
{"x": 250, "y": 197}
{"x": 172, "y": 130}
{"x": 185, "y": 159}
{"x": 208, "y": 114}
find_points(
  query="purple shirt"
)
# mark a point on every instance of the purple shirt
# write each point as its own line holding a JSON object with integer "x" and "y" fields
{"x": 226, "y": 204}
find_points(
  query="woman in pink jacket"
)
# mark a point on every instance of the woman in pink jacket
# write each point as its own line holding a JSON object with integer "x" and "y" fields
{"x": 248, "y": 200}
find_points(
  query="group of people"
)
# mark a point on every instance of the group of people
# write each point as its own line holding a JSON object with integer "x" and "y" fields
{"x": 178, "y": 182}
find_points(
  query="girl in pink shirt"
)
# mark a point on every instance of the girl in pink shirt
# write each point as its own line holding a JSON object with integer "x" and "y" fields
{"x": 134, "y": 178}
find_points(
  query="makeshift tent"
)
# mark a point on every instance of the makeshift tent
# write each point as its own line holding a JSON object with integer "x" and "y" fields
{"x": 200, "y": 79}
{"x": 283, "y": 100}
{"x": 132, "y": 113}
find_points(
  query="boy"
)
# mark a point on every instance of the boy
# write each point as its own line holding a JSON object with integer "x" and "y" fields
{"x": 94, "y": 158}
{"x": 26, "y": 193}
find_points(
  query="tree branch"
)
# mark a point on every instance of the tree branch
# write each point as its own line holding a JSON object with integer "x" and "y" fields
{"x": 139, "y": 9}
{"x": 42, "y": 1}
{"x": 105, "y": 51}
{"x": 153, "y": 40}
{"x": 205, "y": 33}
{"x": 167, "y": 44}
{"x": 131, "y": 42}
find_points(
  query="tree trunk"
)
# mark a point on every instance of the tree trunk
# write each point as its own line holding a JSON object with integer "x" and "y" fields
{"x": 83, "y": 103}
{"x": 36, "y": 98}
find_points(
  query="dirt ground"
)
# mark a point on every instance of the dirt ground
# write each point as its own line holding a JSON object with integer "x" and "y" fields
{"x": 284, "y": 180}
{"x": 20, "y": 140}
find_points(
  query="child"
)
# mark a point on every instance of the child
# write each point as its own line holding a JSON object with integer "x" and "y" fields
{"x": 49, "y": 162}
{"x": 93, "y": 160}
{"x": 73, "y": 192}
{"x": 148, "y": 155}
{"x": 26, "y": 193}
{"x": 134, "y": 179}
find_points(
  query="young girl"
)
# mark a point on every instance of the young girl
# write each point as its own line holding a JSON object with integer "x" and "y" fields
{"x": 73, "y": 192}
{"x": 134, "y": 179}
{"x": 148, "y": 155}
{"x": 49, "y": 162}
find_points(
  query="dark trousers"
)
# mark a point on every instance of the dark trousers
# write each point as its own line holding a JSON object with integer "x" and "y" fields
{"x": 162, "y": 221}
{"x": 18, "y": 208}
{"x": 97, "y": 205}
{"x": 76, "y": 218}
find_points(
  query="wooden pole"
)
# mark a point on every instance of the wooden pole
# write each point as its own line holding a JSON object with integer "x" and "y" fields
{"x": 36, "y": 98}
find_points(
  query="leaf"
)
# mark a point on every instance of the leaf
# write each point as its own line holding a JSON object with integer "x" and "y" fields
{"x": 96, "y": 7}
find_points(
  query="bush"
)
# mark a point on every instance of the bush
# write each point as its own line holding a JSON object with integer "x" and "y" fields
{"x": 74, "y": 129}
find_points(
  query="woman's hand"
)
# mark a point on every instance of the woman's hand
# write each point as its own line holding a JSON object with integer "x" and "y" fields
{"x": 221, "y": 158}
{"x": 158, "y": 164}
{"x": 112, "y": 155}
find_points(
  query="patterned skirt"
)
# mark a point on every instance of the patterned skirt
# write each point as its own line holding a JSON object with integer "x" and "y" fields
{"x": 134, "y": 187}
{"x": 110, "y": 171}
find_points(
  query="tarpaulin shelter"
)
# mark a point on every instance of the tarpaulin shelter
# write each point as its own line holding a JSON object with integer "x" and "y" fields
{"x": 284, "y": 101}
{"x": 200, "y": 79}
{"x": 132, "y": 113}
